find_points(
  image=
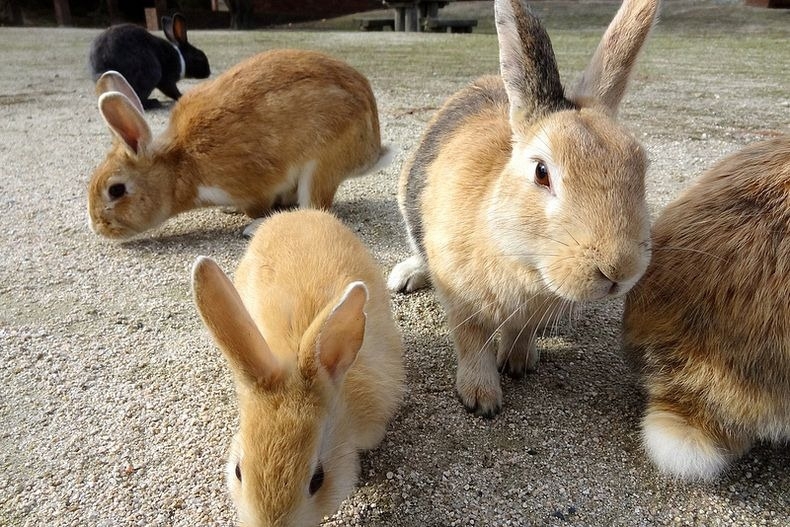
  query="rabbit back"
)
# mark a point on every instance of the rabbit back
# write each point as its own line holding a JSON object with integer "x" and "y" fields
{"x": 475, "y": 107}
{"x": 297, "y": 263}
{"x": 708, "y": 326}
{"x": 281, "y": 117}
{"x": 145, "y": 60}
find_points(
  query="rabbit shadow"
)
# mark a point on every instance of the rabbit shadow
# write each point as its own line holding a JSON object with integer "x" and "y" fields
{"x": 158, "y": 106}
{"x": 612, "y": 401}
{"x": 381, "y": 213}
{"x": 183, "y": 242}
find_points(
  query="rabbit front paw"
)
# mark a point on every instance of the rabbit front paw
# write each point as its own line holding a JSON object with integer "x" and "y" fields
{"x": 479, "y": 390}
{"x": 409, "y": 275}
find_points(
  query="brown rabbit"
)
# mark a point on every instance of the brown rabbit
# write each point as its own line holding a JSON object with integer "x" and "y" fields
{"x": 317, "y": 361}
{"x": 520, "y": 202}
{"x": 708, "y": 326}
{"x": 284, "y": 127}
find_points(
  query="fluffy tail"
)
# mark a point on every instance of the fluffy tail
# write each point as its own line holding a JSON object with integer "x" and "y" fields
{"x": 387, "y": 155}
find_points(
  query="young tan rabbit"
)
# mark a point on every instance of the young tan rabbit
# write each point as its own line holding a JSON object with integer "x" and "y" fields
{"x": 520, "y": 202}
{"x": 283, "y": 127}
{"x": 708, "y": 326}
{"x": 317, "y": 362}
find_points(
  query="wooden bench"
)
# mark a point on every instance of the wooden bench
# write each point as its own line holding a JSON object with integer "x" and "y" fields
{"x": 445, "y": 25}
{"x": 375, "y": 24}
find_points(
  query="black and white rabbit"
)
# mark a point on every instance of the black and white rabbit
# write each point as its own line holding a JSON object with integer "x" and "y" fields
{"x": 148, "y": 61}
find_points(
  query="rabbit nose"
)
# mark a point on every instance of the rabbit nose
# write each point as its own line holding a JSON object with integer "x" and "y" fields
{"x": 615, "y": 285}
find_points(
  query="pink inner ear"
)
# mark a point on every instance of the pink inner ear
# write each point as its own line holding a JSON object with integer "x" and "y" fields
{"x": 179, "y": 29}
{"x": 132, "y": 142}
{"x": 343, "y": 332}
{"x": 124, "y": 120}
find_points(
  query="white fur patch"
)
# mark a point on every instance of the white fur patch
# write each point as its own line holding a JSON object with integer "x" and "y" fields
{"x": 681, "y": 450}
{"x": 409, "y": 275}
{"x": 305, "y": 184}
{"x": 182, "y": 62}
{"x": 249, "y": 230}
{"x": 90, "y": 224}
{"x": 213, "y": 196}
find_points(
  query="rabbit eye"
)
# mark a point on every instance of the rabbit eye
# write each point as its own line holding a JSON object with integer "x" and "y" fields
{"x": 117, "y": 190}
{"x": 542, "y": 174}
{"x": 238, "y": 472}
{"x": 317, "y": 479}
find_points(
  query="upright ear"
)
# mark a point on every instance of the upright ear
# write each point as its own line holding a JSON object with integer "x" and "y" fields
{"x": 606, "y": 77}
{"x": 167, "y": 28}
{"x": 125, "y": 121}
{"x": 114, "y": 81}
{"x": 231, "y": 326}
{"x": 526, "y": 62}
{"x": 341, "y": 335}
{"x": 176, "y": 31}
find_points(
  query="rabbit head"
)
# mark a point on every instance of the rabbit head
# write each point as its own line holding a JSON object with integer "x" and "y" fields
{"x": 195, "y": 61}
{"x": 289, "y": 463}
{"x": 129, "y": 192}
{"x": 570, "y": 200}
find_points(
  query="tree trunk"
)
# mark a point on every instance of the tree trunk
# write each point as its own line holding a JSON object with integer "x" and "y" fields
{"x": 112, "y": 11}
{"x": 240, "y": 14}
{"x": 62, "y": 12}
{"x": 10, "y": 13}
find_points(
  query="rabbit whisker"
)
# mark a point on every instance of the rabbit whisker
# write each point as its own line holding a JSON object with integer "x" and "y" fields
{"x": 518, "y": 336}
{"x": 523, "y": 255}
{"x": 467, "y": 319}
{"x": 493, "y": 333}
{"x": 551, "y": 239}
{"x": 524, "y": 326}
{"x": 571, "y": 235}
{"x": 540, "y": 291}
{"x": 688, "y": 249}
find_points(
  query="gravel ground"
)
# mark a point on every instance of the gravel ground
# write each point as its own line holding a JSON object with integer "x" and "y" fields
{"x": 116, "y": 408}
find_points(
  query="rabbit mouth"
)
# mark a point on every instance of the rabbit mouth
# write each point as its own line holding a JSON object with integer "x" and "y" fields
{"x": 113, "y": 229}
{"x": 589, "y": 285}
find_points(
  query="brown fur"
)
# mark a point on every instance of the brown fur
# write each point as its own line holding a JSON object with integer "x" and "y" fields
{"x": 708, "y": 326}
{"x": 249, "y": 133}
{"x": 328, "y": 375}
{"x": 505, "y": 254}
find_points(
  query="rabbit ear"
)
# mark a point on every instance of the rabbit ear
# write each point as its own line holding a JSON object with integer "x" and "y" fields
{"x": 113, "y": 81}
{"x": 126, "y": 121}
{"x": 341, "y": 335}
{"x": 231, "y": 326}
{"x": 175, "y": 29}
{"x": 606, "y": 77}
{"x": 526, "y": 62}
{"x": 167, "y": 28}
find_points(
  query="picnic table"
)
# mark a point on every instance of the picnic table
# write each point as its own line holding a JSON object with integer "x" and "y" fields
{"x": 417, "y": 15}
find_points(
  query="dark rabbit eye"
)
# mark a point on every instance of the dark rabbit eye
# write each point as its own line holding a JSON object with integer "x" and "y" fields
{"x": 542, "y": 174}
{"x": 117, "y": 190}
{"x": 238, "y": 472}
{"x": 317, "y": 480}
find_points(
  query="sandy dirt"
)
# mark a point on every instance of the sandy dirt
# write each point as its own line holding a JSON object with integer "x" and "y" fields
{"x": 116, "y": 409}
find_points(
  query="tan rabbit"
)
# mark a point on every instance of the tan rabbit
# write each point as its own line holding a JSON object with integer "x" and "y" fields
{"x": 520, "y": 202}
{"x": 317, "y": 362}
{"x": 708, "y": 326}
{"x": 283, "y": 127}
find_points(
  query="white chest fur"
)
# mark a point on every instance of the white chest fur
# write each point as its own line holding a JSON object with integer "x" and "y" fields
{"x": 213, "y": 196}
